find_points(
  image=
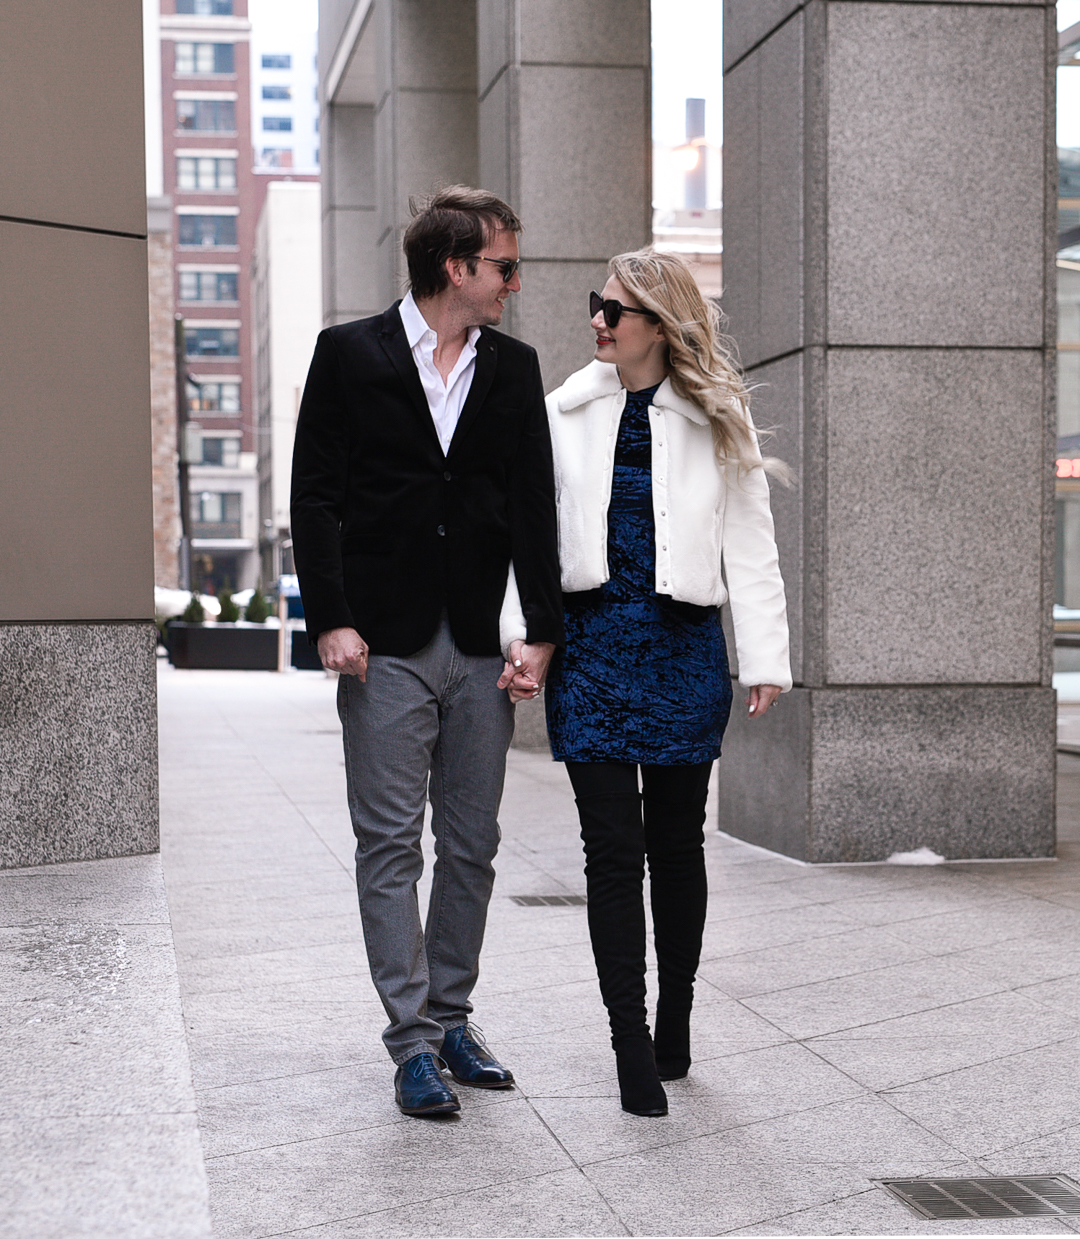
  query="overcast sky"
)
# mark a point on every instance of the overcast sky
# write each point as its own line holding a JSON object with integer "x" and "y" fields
{"x": 687, "y": 44}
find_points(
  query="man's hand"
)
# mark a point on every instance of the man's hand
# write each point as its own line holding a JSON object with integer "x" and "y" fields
{"x": 525, "y": 673}
{"x": 344, "y": 650}
{"x": 761, "y": 697}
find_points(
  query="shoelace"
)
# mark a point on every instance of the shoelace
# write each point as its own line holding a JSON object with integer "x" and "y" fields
{"x": 425, "y": 1063}
{"x": 474, "y": 1034}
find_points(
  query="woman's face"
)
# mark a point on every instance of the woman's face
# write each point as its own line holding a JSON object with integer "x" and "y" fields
{"x": 635, "y": 340}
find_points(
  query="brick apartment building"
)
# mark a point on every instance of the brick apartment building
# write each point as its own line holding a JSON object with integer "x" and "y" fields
{"x": 210, "y": 175}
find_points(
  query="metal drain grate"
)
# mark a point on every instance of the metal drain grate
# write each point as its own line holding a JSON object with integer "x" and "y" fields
{"x": 549, "y": 901}
{"x": 948, "y": 1199}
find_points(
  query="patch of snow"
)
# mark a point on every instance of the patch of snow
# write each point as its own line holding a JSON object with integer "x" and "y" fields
{"x": 921, "y": 856}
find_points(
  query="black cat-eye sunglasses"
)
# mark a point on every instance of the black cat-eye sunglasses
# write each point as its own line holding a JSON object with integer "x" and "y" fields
{"x": 614, "y": 310}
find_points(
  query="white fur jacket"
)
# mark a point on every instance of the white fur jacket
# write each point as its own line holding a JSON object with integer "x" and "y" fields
{"x": 707, "y": 517}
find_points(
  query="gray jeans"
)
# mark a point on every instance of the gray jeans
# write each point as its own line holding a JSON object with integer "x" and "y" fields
{"x": 433, "y": 723}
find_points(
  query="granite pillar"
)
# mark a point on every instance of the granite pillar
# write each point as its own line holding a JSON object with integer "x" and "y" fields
{"x": 564, "y": 123}
{"x": 78, "y": 756}
{"x": 425, "y": 118}
{"x": 888, "y": 208}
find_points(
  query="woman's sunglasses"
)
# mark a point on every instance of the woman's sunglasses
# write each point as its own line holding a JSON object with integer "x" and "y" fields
{"x": 614, "y": 310}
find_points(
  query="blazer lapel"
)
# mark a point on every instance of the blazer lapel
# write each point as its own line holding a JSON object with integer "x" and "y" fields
{"x": 396, "y": 345}
{"x": 487, "y": 355}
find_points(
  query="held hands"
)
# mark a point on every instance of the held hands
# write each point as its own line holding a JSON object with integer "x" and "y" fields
{"x": 344, "y": 650}
{"x": 525, "y": 673}
{"x": 761, "y": 697}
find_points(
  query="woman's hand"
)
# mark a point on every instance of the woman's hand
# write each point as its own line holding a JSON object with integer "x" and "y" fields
{"x": 523, "y": 677}
{"x": 761, "y": 697}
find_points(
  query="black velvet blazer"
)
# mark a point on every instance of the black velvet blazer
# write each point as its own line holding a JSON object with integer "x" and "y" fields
{"x": 387, "y": 531}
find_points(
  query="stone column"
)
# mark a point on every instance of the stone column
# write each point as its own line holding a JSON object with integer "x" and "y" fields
{"x": 888, "y": 203}
{"x": 564, "y": 92}
{"x": 399, "y": 119}
{"x": 78, "y": 734}
{"x": 350, "y": 225}
{"x": 425, "y": 119}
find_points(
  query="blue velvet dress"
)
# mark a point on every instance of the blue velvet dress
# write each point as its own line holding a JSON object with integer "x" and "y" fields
{"x": 643, "y": 678}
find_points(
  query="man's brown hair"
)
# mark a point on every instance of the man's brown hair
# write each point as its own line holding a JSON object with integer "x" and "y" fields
{"x": 456, "y": 222}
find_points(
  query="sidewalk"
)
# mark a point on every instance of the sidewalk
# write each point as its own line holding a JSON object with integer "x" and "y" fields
{"x": 852, "y": 1023}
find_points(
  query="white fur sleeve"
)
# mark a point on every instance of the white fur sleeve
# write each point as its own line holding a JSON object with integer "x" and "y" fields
{"x": 512, "y": 626}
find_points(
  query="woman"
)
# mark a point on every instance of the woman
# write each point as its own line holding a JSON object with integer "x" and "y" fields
{"x": 660, "y": 484}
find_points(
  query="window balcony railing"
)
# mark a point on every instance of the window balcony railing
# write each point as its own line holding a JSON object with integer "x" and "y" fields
{"x": 215, "y": 529}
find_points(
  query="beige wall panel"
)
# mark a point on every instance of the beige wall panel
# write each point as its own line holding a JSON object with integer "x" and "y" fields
{"x": 602, "y": 32}
{"x": 934, "y": 516}
{"x": 584, "y": 189}
{"x": 77, "y": 102}
{"x": 75, "y": 491}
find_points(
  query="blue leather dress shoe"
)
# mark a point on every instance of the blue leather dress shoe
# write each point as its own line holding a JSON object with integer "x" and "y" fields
{"x": 469, "y": 1060}
{"x": 419, "y": 1087}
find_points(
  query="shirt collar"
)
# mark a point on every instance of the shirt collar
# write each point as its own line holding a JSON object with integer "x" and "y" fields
{"x": 415, "y": 324}
{"x": 417, "y": 327}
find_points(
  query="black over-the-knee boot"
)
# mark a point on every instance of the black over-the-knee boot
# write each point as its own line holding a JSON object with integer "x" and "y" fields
{"x": 674, "y": 813}
{"x": 611, "y": 831}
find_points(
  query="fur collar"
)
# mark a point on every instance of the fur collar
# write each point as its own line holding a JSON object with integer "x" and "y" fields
{"x": 600, "y": 378}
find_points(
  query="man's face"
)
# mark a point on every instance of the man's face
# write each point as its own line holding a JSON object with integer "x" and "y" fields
{"x": 484, "y": 294}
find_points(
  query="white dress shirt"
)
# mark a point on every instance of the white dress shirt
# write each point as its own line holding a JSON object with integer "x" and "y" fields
{"x": 445, "y": 400}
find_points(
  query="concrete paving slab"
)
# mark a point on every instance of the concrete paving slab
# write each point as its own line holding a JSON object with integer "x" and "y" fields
{"x": 98, "y": 1126}
{"x": 850, "y": 1002}
{"x": 561, "y": 1203}
{"x": 120, "y": 1176}
{"x": 319, "y": 1181}
{"x": 801, "y": 963}
{"x": 933, "y": 1043}
{"x": 753, "y": 1173}
{"x": 994, "y": 1106}
{"x": 721, "y": 1093}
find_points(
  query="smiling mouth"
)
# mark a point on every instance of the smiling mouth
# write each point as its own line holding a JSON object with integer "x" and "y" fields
{"x": 604, "y": 340}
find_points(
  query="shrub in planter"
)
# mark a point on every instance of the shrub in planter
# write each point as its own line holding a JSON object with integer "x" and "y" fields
{"x": 193, "y": 613}
{"x": 258, "y": 609}
{"x": 229, "y": 612}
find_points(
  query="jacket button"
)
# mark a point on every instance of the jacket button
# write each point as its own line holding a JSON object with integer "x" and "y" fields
{"x": 665, "y": 582}
{"x": 665, "y": 548}
{"x": 447, "y": 475}
{"x": 662, "y": 512}
{"x": 441, "y": 531}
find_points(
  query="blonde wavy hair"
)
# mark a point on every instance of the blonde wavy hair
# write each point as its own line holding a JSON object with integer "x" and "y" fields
{"x": 701, "y": 362}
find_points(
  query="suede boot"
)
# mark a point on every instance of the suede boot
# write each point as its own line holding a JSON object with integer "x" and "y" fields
{"x": 679, "y": 896}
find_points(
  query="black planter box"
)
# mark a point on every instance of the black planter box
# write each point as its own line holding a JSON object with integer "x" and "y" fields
{"x": 223, "y": 647}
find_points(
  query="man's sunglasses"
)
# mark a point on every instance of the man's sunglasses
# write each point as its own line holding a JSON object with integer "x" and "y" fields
{"x": 614, "y": 310}
{"x": 508, "y": 266}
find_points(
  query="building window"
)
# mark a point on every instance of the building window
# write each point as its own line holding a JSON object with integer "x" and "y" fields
{"x": 277, "y": 124}
{"x": 205, "y": 8}
{"x": 213, "y": 397}
{"x": 215, "y": 514}
{"x": 204, "y": 58}
{"x": 207, "y": 230}
{"x": 212, "y": 341}
{"x": 208, "y": 286}
{"x": 277, "y": 60}
{"x": 224, "y": 451}
{"x": 212, "y": 115}
{"x": 205, "y": 173}
{"x": 276, "y": 157}
{"x": 277, "y": 92}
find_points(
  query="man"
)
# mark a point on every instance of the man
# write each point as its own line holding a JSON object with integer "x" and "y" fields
{"x": 422, "y": 470}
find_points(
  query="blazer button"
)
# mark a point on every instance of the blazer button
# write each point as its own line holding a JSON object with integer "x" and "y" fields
{"x": 441, "y": 531}
{"x": 447, "y": 475}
